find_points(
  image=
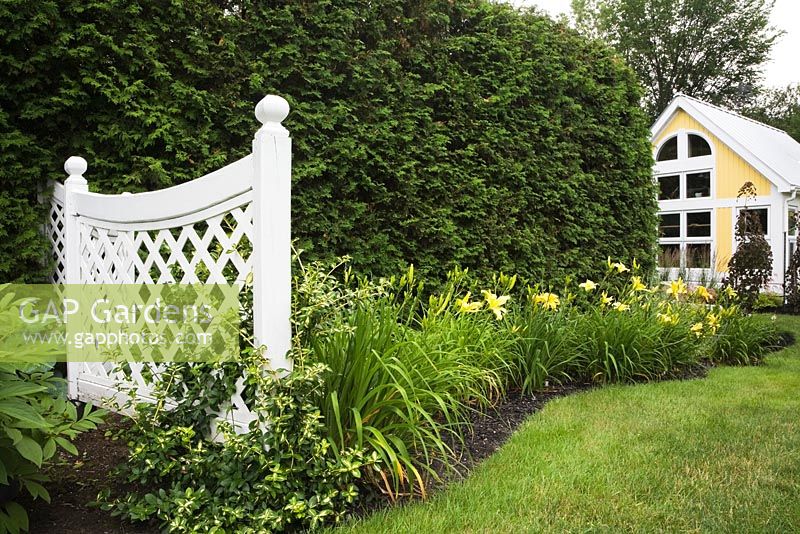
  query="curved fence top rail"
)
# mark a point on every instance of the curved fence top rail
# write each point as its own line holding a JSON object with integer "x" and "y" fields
{"x": 171, "y": 203}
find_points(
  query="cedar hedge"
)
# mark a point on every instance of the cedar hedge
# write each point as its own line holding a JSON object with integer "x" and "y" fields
{"x": 434, "y": 132}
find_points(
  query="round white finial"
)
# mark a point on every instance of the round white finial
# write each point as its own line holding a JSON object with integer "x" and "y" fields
{"x": 272, "y": 108}
{"x": 76, "y": 165}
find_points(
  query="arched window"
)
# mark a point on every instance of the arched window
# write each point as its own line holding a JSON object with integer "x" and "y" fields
{"x": 669, "y": 150}
{"x": 684, "y": 176}
{"x": 698, "y": 146}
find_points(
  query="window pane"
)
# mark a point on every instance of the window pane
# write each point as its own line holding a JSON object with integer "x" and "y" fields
{"x": 760, "y": 214}
{"x": 698, "y": 184}
{"x": 670, "y": 187}
{"x": 792, "y": 221}
{"x": 698, "y": 146}
{"x": 698, "y": 224}
{"x": 669, "y": 256}
{"x": 669, "y": 150}
{"x": 670, "y": 225}
{"x": 698, "y": 256}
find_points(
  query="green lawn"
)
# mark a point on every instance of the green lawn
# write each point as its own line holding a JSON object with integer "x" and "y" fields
{"x": 720, "y": 454}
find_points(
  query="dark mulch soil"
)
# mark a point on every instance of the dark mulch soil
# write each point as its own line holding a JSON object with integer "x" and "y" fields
{"x": 77, "y": 480}
{"x": 492, "y": 428}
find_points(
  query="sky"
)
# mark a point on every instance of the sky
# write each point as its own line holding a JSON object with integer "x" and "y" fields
{"x": 782, "y": 69}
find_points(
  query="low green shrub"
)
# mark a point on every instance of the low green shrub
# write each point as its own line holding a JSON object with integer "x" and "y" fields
{"x": 768, "y": 301}
{"x": 278, "y": 474}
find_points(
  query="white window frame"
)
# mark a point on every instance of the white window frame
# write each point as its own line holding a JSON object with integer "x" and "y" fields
{"x": 682, "y": 184}
{"x": 791, "y": 237}
{"x": 767, "y": 207}
{"x": 684, "y": 239}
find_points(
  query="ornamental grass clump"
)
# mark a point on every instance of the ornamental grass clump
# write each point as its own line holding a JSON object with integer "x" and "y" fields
{"x": 631, "y": 344}
{"x": 545, "y": 348}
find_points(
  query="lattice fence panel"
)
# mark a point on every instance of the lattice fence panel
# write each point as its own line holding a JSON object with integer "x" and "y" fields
{"x": 215, "y": 250}
{"x": 55, "y": 230}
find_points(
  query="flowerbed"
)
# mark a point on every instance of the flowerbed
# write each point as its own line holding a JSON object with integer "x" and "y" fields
{"x": 386, "y": 378}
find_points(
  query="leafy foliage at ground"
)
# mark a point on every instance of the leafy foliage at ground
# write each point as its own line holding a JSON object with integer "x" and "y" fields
{"x": 278, "y": 474}
{"x": 434, "y": 133}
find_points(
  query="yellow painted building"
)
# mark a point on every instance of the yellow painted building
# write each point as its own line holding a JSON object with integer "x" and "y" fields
{"x": 704, "y": 154}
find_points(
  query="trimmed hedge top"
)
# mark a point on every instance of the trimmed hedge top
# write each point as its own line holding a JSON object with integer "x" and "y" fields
{"x": 433, "y": 132}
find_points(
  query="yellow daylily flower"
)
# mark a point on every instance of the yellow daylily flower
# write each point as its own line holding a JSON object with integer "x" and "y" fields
{"x": 667, "y": 318}
{"x": 702, "y": 291}
{"x": 697, "y": 329}
{"x": 676, "y": 288}
{"x": 588, "y": 285}
{"x": 730, "y": 292}
{"x": 636, "y": 283}
{"x": 605, "y": 299}
{"x": 619, "y": 267}
{"x": 635, "y": 265}
{"x": 495, "y": 303}
{"x": 465, "y": 306}
{"x": 619, "y": 306}
{"x": 548, "y": 301}
{"x": 713, "y": 322}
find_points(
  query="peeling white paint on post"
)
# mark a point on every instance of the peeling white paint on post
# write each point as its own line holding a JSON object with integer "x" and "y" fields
{"x": 272, "y": 257}
{"x": 74, "y": 184}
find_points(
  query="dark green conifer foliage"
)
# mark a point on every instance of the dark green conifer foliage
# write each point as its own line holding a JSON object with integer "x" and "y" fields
{"x": 433, "y": 132}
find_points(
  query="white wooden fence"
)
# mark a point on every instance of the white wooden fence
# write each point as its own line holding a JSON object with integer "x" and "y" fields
{"x": 224, "y": 225}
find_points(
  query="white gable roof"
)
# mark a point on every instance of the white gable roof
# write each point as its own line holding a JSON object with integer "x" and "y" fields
{"x": 771, "y": 151}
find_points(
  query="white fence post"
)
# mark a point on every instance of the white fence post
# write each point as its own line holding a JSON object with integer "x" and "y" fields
{"x": 75, "y": 167}
{"x": 272, "y": 257}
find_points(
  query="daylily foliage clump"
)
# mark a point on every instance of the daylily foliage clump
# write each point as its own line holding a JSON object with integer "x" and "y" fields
{"x": 405, "y": 370}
